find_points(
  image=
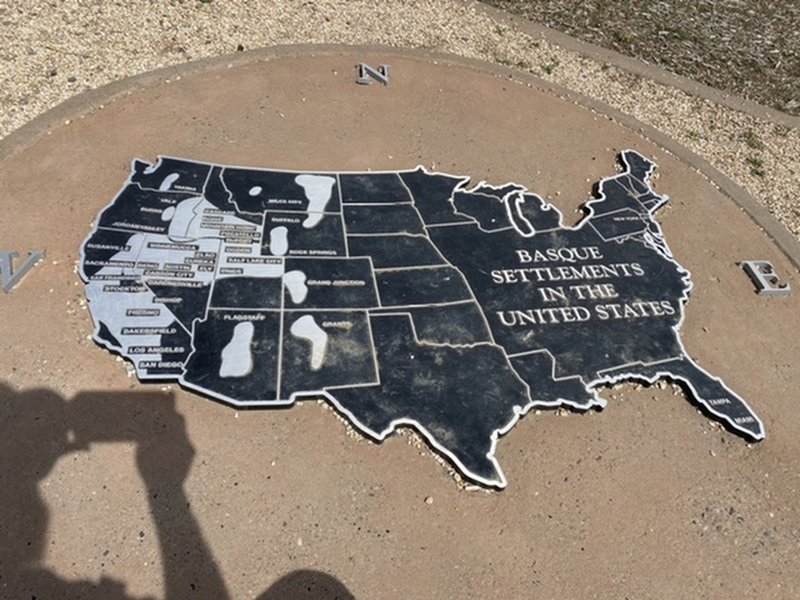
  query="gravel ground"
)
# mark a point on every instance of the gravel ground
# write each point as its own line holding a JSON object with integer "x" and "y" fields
{"x": 52, "y": 50}
{"x": 750, "y": 48}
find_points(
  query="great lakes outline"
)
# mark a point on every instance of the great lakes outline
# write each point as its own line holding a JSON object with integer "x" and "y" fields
{"x": 405, "y": 298}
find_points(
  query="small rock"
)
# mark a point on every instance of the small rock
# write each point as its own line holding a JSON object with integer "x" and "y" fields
{"x": 429, "y": 500}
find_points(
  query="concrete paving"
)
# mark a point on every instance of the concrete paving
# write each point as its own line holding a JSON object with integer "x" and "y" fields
{"x": 111, "y": 483}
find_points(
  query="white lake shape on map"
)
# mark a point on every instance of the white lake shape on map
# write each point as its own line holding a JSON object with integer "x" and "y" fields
{"x": 185, "y": 223}
{"x": 279, "y": 240}
{"x": 318, "y": 189}
{"x": 237, "y": 359}
{"x": 166, "y": 184}
{"x": 295, "y": 282}
{"x": 306, "y": 328}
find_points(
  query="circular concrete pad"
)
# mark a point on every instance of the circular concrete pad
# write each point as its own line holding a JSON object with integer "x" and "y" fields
{"x": 170, "y": 494}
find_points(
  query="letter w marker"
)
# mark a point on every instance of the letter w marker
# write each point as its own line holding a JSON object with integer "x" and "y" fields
{"x": 10, "y": 277}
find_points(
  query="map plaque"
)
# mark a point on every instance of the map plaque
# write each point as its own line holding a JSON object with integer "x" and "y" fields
{"x": 403, "y": 298}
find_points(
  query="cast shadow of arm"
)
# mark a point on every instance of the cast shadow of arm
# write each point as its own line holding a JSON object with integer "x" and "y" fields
{"x": 37, "y": 427}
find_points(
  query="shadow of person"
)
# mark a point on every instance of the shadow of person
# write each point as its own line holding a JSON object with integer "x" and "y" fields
{"x": 307, "y": 584}
{"x": 37, "y": 427}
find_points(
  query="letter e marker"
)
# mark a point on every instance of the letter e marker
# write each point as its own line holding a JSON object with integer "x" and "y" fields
{"x": 763, "y": 275}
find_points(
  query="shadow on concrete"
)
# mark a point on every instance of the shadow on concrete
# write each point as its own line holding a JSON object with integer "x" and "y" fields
{"x": 307, "y": 585}
{"x": 38, "y": 427}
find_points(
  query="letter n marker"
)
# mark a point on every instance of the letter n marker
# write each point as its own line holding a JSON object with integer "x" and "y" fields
{"x": 366, "y": 74}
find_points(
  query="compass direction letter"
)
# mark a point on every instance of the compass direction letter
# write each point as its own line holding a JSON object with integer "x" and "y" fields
{"x": 10, "y": 277}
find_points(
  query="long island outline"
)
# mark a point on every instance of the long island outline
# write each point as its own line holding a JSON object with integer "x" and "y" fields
{"x": 406, "y": 298}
